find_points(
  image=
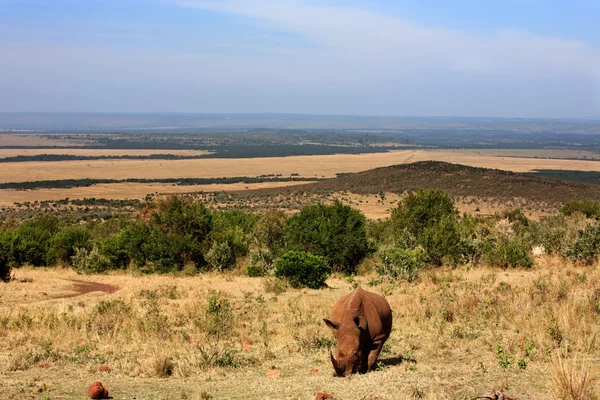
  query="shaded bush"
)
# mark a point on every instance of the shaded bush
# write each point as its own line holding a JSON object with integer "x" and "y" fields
{"x": 64, "y": 242}
{"x": 32, "y": 241}
{"x": 5, "y": 251}
{"x": 269, "y": 230}
{"x": 336, "y": 232}
{"x": 302, "y": 269}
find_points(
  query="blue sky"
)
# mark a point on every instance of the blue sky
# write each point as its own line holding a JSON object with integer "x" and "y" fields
{"x": 506, "y": 58}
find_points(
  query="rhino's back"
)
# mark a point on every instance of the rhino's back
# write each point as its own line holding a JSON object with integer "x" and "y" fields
{"x": 372, "y": 306}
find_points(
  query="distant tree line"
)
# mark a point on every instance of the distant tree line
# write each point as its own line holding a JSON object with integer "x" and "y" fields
{"x": 85, "y": 182}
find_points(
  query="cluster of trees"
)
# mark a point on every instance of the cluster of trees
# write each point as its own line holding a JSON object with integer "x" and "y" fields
{"x": 425, "y": 230}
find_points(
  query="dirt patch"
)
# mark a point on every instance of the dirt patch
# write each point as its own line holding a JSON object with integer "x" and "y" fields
{"x": 84, "y": 287}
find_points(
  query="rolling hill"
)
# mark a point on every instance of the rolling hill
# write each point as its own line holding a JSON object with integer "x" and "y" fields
{"x": 456, "y": 180}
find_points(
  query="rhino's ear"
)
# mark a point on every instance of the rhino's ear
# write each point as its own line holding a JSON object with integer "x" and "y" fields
{"x": 361, "y": 322}
{"x": 330, "y": 324}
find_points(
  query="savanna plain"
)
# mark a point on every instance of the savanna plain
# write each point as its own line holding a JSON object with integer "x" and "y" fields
{"x": 170, "y": 289}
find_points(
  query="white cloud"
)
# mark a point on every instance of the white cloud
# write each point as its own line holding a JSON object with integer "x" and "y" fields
{"x": 358, "y": 35}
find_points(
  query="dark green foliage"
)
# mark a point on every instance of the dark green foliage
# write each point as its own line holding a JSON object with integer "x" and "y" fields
{"x": 235, "y": 228}
{"x": 590, "y": 209}
{"x": 587, "y": 247}
{"x": 336, "y": 232}
{"x": 302, "y": 269}
{"x": 269, "y": 230}
{"x": 504, "y": 253}
{"x": 178, "y": 231}
{"x": 5, "y": 252}
{"x": 430, "y": 217}
{"x": 32, "y": 241}
{"x": 65, "y": 241}
{"x": 261, "y": 263}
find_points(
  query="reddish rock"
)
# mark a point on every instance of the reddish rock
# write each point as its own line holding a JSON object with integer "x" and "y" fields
{"x": 97, "y": 391}
{"x": 247, "y": 348}
{"x": 246, "y": 341}
{"x": 44, "y": 293}
{"x": 315, "y": 371}
{"x": 295, "y": 350}
{"x": 321, "y": 395}
{"x": 274, "y": 373}
{"x": 104, "y": 368}
{"x": 42, "y": 364}
{"x": 238, "y": 307}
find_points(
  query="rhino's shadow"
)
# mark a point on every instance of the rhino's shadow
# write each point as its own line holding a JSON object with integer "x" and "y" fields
{"x": 396, "y": 360}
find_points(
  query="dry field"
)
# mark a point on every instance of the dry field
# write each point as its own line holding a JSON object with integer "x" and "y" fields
{"x": 121, "y": 191}
{"x": 457, "y": 334}
{"x": 36, "y": 140}
{"x": 97, "y": 152}
{"x": 306, "y": 166}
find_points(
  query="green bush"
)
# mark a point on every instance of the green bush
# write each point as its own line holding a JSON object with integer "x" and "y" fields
{"x": 261, "y": 263}
{"x": 556, "y": 232}
{"x": 5, "y": 252}
{"x": 430, "y": 217}
{"x": 590, "y": 209}
{"x": 269, "y": 230}
{"x": 302, "y": 269}
{"x": 504, "y": 253}
{"x": 90, "y": 262}
{"x": 401, "y": 263}
{"x": 587, "y": 246}
{"x": 235, "y": 228}
{"x": 336, "y": 232}
{"x": 220, "y": 256}
{"x": 65, "y": 241}
{"x": 32, "y": 241}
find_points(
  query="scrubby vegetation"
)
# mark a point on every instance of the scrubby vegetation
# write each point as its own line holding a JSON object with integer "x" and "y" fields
{"x": 424, "y": 231}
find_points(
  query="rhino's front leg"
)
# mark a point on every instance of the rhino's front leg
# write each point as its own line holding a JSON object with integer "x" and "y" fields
{"x": 374, "y": 354}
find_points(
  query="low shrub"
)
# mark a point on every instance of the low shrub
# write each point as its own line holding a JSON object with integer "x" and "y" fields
{"x": 590, "y": 209}
{"x": 220, "y": 256}
{"x": 507, "y": 253}
{"x": 302, "y": 269}
{"x": 64, "y": 243}
{"x": 90, "y": 262}
{"x": 261, "y": 263}
{"x": 401, "y": 263}
{"x": 587, "y": 246}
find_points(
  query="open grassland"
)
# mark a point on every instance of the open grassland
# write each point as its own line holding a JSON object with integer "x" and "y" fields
{"x": 97, "y": 152}
{"x": 121, "y": 191}
{"x": 37, "y": 140}
{"x": 457, "y": 333}
{"x": 306, "y": 166}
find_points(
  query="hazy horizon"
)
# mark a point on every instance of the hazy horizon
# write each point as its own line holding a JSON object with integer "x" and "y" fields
{"x": 432, "y": 58}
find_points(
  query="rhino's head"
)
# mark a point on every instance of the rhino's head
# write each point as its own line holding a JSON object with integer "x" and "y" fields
{"x": 349, "y": 352}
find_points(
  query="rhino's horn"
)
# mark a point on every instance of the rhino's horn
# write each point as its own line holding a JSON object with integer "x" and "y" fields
{"x": 338, "y": 370}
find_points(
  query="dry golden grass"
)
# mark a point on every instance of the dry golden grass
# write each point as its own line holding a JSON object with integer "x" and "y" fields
{"x": 452, "y": 331}
{"x": 120, "y": 191}
{"x": 97, "y": 152}
{"x": 307, "y": 166}
{"x": 572, "y": 380}
{"x": 35, "y": 140}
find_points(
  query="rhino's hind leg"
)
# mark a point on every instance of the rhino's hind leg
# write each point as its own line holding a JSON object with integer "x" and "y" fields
{"x": 374, "y": 354}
